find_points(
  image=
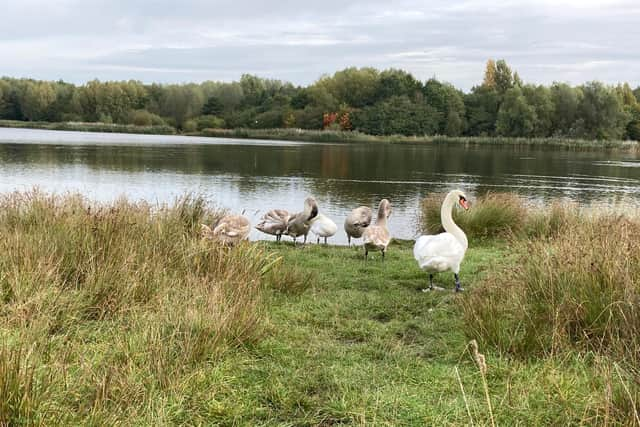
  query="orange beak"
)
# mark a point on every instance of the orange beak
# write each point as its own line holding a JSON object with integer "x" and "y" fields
{"x": 464, "y": 204}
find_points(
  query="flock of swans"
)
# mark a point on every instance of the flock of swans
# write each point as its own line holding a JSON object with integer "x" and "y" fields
{"x": 434, "y": 253}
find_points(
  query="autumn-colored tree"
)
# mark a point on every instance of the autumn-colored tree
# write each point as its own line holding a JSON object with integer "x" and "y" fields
{"x": 490, "y": 74}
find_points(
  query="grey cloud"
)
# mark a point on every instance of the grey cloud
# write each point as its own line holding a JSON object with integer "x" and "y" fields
{"x": 545, "y": 40}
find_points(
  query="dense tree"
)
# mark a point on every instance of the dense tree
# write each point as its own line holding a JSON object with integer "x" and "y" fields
{"x": 565, "y": 101}
{"x": 378, "y": 102}
{"x": 539, "y": 98}
{"x": 601, "y": 112}
{"x": 213, "y": 106}
{"x": 356, "y": 87}
{"x": 515, "y": 117}
{"x": 180, "y": 102}
{"x": 482, "y": 110}
{"x": 397, "y": 115}
{"x": 36, "y": 98}
{"x": 449, "y": 103}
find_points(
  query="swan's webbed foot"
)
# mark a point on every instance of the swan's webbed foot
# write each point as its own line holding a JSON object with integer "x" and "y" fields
{"x": 431, "y": 286}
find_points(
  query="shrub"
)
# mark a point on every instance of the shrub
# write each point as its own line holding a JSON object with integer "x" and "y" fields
{"x": 190, "y": 126}
{"x": 145, "y": 118}
{"x": 209, "y": 122}
{"x": 492, "y": 215}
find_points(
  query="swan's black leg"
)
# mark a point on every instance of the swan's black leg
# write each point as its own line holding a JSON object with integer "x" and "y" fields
{"x": 349, "y": 240}
{"x": 366, "y": 252}
{"x": 382, "y": 256}
{"x": 318, "y": 241}
{"x": 325, "y": 240}
{"x": 458, "y": 286}
{"x": 304, "y": 242}
{"x": 430, "y": 281}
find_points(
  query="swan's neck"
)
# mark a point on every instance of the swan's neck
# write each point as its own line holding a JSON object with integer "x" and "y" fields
{"x": 382, "y": 217}
{"x": 447, "y": 221}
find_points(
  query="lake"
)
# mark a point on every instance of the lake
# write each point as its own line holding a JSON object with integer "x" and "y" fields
{"x": 255, "y": 176}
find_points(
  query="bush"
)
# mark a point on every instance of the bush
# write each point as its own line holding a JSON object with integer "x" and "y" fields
{"x": 209, "y": 122}
{"x": 190, "y": 126}
{"x": 145, "y": 118}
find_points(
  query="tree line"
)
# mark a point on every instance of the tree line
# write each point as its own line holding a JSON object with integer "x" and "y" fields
{"x": 364, "y": 99}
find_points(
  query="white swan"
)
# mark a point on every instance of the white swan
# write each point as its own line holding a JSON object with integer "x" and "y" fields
{"x": 376, "y": 237}
{"x": 323, "y": 226}
{"x": 444, "y": 251}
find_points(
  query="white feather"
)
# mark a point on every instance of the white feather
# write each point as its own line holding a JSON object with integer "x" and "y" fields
{"x": 323, "y": 226}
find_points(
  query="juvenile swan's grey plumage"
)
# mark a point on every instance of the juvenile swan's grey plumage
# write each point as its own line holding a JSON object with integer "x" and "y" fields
{"x": 274, "y": 222}
{"x": 376, "y": 237}
{"x": 300, "y": 223}
{"x": 229, "y": 230}
{"x": 357, "y": 221}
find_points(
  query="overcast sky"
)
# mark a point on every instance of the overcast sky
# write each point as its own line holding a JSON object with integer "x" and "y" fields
{"x": 298, "y": 41}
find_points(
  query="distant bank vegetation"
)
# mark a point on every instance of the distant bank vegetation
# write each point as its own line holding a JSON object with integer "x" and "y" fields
{"x": 373, "y": 102}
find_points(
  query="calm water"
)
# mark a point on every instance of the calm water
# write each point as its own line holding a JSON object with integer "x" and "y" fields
{"x": 254, "y": 176}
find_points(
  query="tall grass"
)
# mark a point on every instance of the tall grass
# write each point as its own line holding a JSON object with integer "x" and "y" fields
{"x": 91, "y": 127}
{"x": 337, "y": 136}
{"x": 500, "y": 216}
{"x": 576, "y": 291}
{"x": 120, "y": 302}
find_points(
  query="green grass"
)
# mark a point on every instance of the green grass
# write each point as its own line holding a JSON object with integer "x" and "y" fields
{"x": 123, "y": 315}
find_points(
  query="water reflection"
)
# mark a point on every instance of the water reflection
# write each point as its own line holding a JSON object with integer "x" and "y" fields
{"x": 253, "y": 177}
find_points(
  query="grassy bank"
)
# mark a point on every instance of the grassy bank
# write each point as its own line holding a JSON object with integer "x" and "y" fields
{"x": 333, "y": 136}
{"x": 121, "y": 314}
{"x": 90, "y": 127}
{"x": 354, "y": 136}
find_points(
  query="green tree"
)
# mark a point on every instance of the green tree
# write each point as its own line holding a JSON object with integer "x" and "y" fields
{"x": 394, "y": 82}
{"x": 181, "y": 102}
{"x": 565, "y": 101}
{"x": 539, "y": 97}
{"x": 397, "y": 115}
{"x": 516, "y": 118}
{"x": 36, "y": 98}
{"x": 449, "y": 103}
{"x": 213, "y": 106}
{"x": 482, "y": 110}
{"x": 601, "y": 112}
{"x": 356, "y": 87}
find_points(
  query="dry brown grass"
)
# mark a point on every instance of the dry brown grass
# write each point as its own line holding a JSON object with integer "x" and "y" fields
{"x": 117, "y": 301}
{"x": 578, "y": 290}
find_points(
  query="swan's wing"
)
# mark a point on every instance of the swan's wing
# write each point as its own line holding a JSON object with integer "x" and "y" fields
{"x": 443, "y": 247}
{"x": 273, "y": 221}
{"x": 376, "y": 236}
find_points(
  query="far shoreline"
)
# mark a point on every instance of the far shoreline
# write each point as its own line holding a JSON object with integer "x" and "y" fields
{"x": 330, "y": 136}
